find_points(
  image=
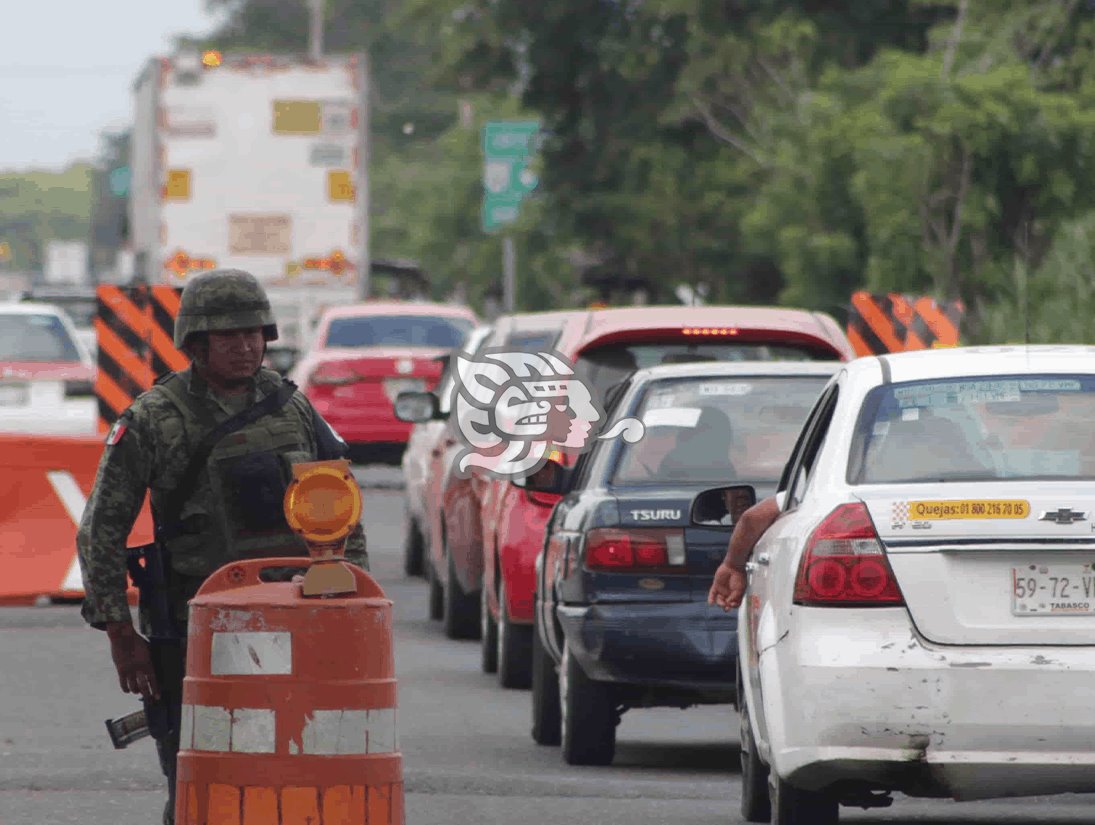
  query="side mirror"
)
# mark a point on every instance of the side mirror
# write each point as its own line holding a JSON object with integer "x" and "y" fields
{"x": 723, "y": 506}
{"x": 552, "y": 478}
{"x": 417, "y": 407}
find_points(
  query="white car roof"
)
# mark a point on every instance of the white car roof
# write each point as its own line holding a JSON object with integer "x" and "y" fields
{"x": 43, "y": 308}
{"x": 31, "y": 308}
{"x": 706, "y": 369}
{"x": 958, "y": 362}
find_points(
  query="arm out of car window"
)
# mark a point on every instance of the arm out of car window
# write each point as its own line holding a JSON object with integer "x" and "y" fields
{"x": 728, "y": 588}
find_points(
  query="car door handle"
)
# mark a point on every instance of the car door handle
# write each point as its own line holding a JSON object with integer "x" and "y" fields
{"x": 750, "y": 567}
{"x": 763, "y": 558}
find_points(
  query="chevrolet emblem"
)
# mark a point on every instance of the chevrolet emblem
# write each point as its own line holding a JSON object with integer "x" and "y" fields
{"x": 1062, "y": 516}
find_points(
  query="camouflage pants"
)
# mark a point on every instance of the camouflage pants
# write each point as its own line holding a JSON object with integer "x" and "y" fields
{"x": 169, "y": 659}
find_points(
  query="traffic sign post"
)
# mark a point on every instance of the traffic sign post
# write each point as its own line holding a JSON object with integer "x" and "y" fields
{"x": 508, "y": 146}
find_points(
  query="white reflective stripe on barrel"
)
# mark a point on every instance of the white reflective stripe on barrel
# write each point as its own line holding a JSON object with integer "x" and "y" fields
{"x": 260, "y": 653}
{"x": 252, "y": 730}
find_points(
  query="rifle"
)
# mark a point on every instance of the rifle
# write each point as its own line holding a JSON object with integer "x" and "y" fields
{"x": 152, "y": 577}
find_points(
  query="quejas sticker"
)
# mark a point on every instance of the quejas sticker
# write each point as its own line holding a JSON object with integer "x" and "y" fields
{"x": 958, "y": 510}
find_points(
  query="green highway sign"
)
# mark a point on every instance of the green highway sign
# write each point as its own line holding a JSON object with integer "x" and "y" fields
{"x": 509, "y": 138}
{"x": 508, "y": 146}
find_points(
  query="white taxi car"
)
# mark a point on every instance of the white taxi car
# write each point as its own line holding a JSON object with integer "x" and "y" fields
{"x": 921, "y": 616}
{"x": 47, "y": 376}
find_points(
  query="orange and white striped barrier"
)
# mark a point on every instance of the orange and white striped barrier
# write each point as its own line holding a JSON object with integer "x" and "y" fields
{"x": 44, "y": 484}
{"x": 289, "y": 704}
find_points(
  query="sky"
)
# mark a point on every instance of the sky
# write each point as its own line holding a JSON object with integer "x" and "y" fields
{"x": 67, "y": 69}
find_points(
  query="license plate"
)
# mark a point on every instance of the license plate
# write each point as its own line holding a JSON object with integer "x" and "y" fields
{"x": 1053, "y": 590}
{"x": 394, "y": 386}
{"x": 14, "y": 395}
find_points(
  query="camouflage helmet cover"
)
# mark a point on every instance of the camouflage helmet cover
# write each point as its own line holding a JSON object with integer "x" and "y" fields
{"x": 224, "y": 299}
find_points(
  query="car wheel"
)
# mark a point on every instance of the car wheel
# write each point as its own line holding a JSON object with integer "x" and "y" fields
{"x": 436, "y": 597}
{"x": 756, "y": 805}
{"x": 414, "y": 548}
{"x": 514, "y": 648}
{"x": 459, "y": 619}
{"x": 589, "y": 717}
{"x": 793, "y": 806}
{"x": 488, "y": 635}
{"x": 546, "y": 713}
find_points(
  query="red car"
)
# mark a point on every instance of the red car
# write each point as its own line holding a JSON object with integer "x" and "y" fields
{"x": 607, "y": 345}
{"x": 424, "y": 468}
{"x": 454, "y": 541}
{"x": 364, "y": 355}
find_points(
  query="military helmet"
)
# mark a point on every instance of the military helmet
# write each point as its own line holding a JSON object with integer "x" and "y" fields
{"x": 224, "y": 299}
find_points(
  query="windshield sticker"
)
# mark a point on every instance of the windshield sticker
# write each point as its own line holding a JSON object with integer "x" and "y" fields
{"x": 967, "y": 509}
{"x": 726, "y": 389}
{"x": 965, "y": 392}
{"x": 1049, "y": 385}
{"x": 880, "y": 428}
{"x": 662, "y": 400}
{"x": 910, "y": 414}
{"x": 672, "y": 417}
{"x": 977, "y": 392}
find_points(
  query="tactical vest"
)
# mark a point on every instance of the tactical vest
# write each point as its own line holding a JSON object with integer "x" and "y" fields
{"x": 235, "y": 511}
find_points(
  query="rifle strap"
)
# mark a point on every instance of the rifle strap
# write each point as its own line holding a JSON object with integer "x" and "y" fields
{"x": 178, "y": 496}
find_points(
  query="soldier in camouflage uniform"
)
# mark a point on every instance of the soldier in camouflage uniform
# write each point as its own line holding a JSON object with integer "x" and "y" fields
{"x": 234, "y": 509}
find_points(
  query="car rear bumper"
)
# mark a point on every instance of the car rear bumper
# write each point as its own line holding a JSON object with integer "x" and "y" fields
{"x": 879, "y": 703}
{"x": 685, "y": 645}
{"x": 369, "y": 427}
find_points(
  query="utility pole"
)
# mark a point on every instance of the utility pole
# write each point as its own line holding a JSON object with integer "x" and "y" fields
{"x": 315, "y": 30}
{"x": 509, "y": 274}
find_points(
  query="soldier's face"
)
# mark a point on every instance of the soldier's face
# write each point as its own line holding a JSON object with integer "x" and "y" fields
{"x": 234, "y": 355}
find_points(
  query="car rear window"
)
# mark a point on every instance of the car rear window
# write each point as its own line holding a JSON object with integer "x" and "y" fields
{"x": 980, "y": 428}
{"x": 35, "y": 338}
{"x": 717, "y": 429}
{"x": 607, "y": 365}
{"x": 398, "y": 331}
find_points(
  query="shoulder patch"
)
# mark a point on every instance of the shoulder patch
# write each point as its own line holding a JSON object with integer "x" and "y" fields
{"x": 118, "y": 431}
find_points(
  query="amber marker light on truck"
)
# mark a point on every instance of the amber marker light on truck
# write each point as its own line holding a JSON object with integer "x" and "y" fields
{"x": 323, "y": 505}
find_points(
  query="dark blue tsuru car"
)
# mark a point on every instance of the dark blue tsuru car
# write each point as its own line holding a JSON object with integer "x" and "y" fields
{"x": 621, "y": 612}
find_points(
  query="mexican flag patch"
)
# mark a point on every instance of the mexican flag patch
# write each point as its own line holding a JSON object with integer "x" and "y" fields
{"x": 116, "y": 432}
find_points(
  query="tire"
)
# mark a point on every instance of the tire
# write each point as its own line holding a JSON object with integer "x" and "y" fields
{"x": 488, "y": 635}
{"x": 414, "y": 548}
{"x": 589, "y": 715}
{"x": 547, "y": 720}
{"x": 756, "y": 804}
{"x": 793, "y": 806}
{"x": 436, "y": 596}
{"x": 514, "y": 648}
{"x": 460, "y": 612}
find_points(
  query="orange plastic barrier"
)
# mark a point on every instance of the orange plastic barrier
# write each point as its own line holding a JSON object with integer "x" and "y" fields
{"x": 289, "y": 704}
{"x": 44, "y": 485}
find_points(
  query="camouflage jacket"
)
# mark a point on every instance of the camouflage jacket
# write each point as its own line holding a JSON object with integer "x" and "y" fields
{"x": 234, "y": 511}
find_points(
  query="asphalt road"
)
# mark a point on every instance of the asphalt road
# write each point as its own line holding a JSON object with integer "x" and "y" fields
{"x": 468, "y": 757}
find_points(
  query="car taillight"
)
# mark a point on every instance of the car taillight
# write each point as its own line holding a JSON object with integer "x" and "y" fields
{"x": 844, "y": 563}
{"x": 621, "y": 549}
{"x": 334, "y": 373}
{"x": 79, "y": 389}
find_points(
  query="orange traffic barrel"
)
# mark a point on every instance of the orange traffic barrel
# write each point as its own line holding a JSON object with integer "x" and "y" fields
{"x": 289, "y": 703}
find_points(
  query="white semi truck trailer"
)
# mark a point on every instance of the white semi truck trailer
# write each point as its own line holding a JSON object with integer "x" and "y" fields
{"x": 258, "y": 162}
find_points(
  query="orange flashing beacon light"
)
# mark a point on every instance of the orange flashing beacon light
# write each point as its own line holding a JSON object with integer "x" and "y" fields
{"x": 322, "y": 505}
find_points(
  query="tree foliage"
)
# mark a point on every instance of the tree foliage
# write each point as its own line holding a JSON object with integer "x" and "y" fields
{"x": 785, "y": 151}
